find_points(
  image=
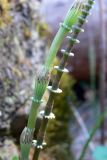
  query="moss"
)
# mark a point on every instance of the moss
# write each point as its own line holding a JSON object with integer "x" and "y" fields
{"x": 57, "y": 136}
{"x": 58, "y": 152}
{"x": 5, "y": 18}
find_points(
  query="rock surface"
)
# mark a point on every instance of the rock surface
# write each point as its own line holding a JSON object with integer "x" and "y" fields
{"x": 22, "y": 51}
{"x": 8, "y": 150}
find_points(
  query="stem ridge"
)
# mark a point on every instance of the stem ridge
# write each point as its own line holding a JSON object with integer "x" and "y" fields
{"x": 60, "y": 69}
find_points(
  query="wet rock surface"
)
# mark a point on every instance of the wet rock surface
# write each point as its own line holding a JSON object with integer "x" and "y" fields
{"x": 8, "y": 149}
{"x": 22, "y": 52}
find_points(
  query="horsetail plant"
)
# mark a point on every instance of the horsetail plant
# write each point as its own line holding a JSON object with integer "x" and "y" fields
{"x": 43, "y": 76}
{"x": 54, "y": 89}
{"x": 27, "y": 134}
{"x": 65, "y": 27}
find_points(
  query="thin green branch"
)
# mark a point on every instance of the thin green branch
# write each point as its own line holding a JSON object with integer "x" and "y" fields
{"x": 97, "y": 125}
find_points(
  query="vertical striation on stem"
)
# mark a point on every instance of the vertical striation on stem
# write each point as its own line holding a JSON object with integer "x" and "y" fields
{"x": 43, "y": 78}
{"x": 54, "y": 89}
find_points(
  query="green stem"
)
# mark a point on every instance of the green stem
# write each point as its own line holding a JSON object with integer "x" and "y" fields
{"x": 32, "y": 117}
{"x": 55, "y": 46}
{"x": 42, "y": 81}
{"x": 70, "y": 19}
{"x": 43, "y": 126}
{"x": 42, "y": 78}
{"x": 55, "y": 85}
{"x": 97, "y": 125}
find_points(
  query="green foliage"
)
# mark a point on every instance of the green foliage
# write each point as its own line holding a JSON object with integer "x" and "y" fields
{"x": 15, "y": 158}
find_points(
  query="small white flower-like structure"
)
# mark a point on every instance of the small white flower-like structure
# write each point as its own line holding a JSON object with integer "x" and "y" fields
{"x": 57, "y": 91}
{"x": 41, "y": 113}
{"x": 50, "y": 116}
{"x": 34, "y": 143}
{"x": 76, "y": 41}
{"x": 66, "y": 53}
{"x": 40, "y": 147}
{"x": 44, "y": 143}
{"x": 61, "y": 70}
{"x": 78, "y": 28}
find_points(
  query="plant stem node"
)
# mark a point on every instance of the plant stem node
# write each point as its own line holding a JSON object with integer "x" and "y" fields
{"x": 54, "y": 91}
{"x": 65, "y": 27}
{"x": 61, "y": 70}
